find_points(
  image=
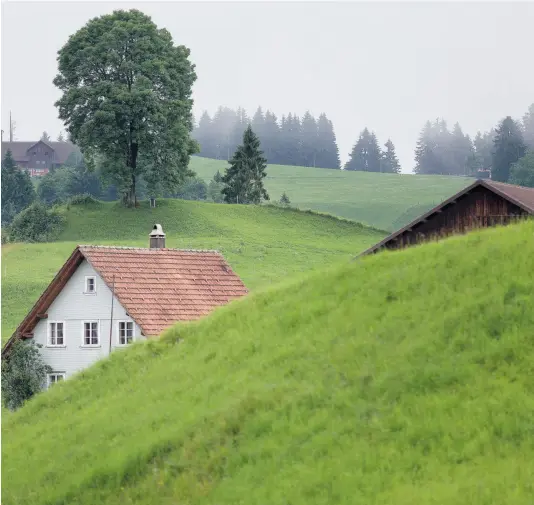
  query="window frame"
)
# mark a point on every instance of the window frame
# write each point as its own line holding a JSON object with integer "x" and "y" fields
{"x": 48, "y": 334}
{"x": 125, "y": 321}
{"x": 85, "y": 291}
{"x": 90, "y": 321}
{"x": 63, "y": 376}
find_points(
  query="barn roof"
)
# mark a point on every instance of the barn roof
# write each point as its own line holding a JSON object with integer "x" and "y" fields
{"x": 518, "y": 195}
{"x": 157, "y": 287}
{"x": 19, "y": 149}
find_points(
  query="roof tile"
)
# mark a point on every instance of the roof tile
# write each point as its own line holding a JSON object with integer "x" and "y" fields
{"x": 160, "y": 286}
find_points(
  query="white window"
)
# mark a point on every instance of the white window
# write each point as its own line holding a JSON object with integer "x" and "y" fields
{"x": 56, "y": 337}
{"x": 90, "y": 285}
{"x": 90, "y": 333}
{"x": 125, "y": 332}
{"x": 55, "y": 377}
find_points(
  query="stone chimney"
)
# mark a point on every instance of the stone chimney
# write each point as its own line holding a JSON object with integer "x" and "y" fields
{"x": 157, "y": 237}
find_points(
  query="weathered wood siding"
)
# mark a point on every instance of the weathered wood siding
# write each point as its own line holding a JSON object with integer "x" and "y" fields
{"x": 480, "y": 208}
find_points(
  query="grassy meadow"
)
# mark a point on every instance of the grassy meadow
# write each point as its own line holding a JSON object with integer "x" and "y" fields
{"x": 384, "y": 201}
{"x": 398, "y": 379}
{"x": 264, "y": 245}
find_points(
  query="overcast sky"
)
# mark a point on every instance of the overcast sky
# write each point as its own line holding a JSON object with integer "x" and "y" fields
{"x": 387, "y": 66}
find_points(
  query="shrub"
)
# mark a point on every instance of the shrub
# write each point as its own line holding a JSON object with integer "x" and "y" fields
{"x": 193, "y": 188}
{"x": 284, "y": 200}
{"x": 83, "y": 199}
{"x": 36, "y": 224}
{"x": 23, "y": 373}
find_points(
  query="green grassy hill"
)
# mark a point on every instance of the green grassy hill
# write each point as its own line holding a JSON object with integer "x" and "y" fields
{"x": 404, "y": 378}
{"x": 385, "y": 201}
{"x": 262, "y": 244}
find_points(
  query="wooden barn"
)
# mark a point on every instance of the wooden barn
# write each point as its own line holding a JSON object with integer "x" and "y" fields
{"x": 482, "y": 204}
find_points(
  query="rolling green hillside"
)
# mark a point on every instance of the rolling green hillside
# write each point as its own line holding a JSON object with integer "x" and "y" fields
{"x": 403, "y": 378}
{"x": 385, "y": 201}
{"x": 262, "y": 244}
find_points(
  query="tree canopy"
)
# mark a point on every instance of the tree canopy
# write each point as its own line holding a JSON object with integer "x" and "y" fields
{"x": 126, "y": 97}
{"x": 509, "y": 147}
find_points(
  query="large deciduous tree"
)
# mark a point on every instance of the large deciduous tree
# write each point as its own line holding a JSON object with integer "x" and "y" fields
{"x": 243, "y": 180}
{"x": 509, "y": 147}
{"x": 127, "y": 99}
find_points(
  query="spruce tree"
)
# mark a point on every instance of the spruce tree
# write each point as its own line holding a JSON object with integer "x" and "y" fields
{"x": 271, "y": 138}
{"x": 528, "y": 128}
{"x": 204, "y": 135}
{"x": 509, "y": 147}
{"x": 61, "y": 137}
{"x": 390, "y": 162}
{"x": 18, "y": 191}
{"x": 424, "y": 154}
{"x": 308, "y": 147}
{"x": 365, "y": 155}
{"x": 45, "y": 137}
{"x": 243, "y": 180}
{"x": 483, "y": 145}
{"x": 327, "y": 150}
{"x": 462, "y": 152}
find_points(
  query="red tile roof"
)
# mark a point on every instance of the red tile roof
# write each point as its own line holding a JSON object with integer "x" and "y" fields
{"x": 157, "y": 287}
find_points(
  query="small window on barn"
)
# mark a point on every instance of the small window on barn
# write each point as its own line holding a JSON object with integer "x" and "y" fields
{"x": 56, "y": 336}
{"x": 90, "y": 285}
{"x": 125, "y": 332}
{"x": 55, "y": 377}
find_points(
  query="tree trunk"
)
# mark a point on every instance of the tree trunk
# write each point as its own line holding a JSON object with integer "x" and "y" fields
{"x": 131, "y": 196}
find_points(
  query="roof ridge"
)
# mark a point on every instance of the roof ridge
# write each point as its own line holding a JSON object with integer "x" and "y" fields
{"x": 508, "y": 184}
{"x": 131, "y": 248}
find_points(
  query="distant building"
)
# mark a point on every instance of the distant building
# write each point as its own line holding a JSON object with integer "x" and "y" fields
{"x": 482, "y": 204}
{"x": 38, "y": 158}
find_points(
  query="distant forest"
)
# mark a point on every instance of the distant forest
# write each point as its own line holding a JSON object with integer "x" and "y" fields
{"x": 307, "y": 142}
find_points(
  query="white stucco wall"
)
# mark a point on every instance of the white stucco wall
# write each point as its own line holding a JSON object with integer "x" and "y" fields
{"x": 72, "y": 307}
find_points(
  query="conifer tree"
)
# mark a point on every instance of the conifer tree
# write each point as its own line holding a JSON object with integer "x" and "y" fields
{"x": 308, "y": 147}
{"x": 509, "y": 147}
{"x": 45, "y": 137}
{"x": 243, "y": 180}
{"x": 390, "y": 162}
{"x": 61, "y": 137}
{"x": 528, "y": 128}
{"x": 271, "y": 138}
{"x": 365, "y": 155}
{"x": 462, "y": 152}
{"x": 18, "y": 191}
{"x": 327, "y": 150}
{"x": 203, "y": 134}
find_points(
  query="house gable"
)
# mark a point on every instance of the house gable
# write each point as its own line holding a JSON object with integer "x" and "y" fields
{"x": 72, "y": 308}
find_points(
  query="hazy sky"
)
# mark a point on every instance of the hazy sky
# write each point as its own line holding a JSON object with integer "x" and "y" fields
{"x": 387, "y": 66}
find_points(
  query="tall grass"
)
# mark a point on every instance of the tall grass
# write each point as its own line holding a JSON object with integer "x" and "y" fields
{"x": 398, "y": 379}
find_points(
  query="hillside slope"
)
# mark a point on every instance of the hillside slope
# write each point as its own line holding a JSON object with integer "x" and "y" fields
{"x": 385, "y": 201}
{"x": 404, "y": 378}
{"x": 262, "y": 244}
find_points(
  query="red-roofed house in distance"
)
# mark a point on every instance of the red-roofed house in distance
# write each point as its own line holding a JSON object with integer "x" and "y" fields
{"x": 134, "y": 292}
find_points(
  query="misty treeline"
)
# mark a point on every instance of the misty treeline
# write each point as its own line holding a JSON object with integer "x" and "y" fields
{"x": 367, "y": 156}
{"x": 305, "y": 141}
{"x": 498, "y": 152}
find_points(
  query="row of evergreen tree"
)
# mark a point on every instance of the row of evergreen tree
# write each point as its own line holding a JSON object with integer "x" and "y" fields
{"x": 307, "y": 142}
{"x": 366, "y": 155}
{"x": 445, "y": 152}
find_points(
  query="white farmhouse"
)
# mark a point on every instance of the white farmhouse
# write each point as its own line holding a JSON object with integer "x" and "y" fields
{"x": 104, "y": 298}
